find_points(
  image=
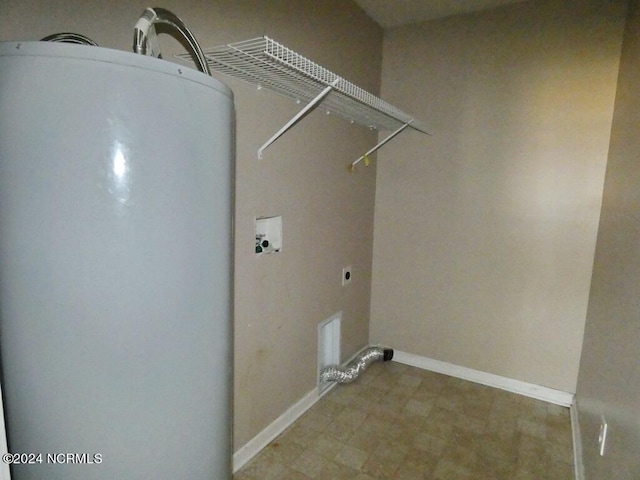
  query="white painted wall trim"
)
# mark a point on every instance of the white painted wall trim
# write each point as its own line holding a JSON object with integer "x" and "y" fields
{"x": 577, "y": 442}
{"x": 546, "y": 394}
{"x": 275, "y": 428}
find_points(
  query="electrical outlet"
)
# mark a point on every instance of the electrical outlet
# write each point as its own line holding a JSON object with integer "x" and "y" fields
{"x": 347, "y": 275}
{"x": 602, "y": 438}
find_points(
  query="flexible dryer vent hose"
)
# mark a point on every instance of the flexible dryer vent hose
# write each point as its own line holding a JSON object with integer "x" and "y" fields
{"x": 144, "y": 35}
{"x": 356, "y": 366}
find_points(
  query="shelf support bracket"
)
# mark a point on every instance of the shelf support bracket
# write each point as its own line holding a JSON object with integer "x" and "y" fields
{"x": 365, "y": 157}
{"x": 299, "y": 116}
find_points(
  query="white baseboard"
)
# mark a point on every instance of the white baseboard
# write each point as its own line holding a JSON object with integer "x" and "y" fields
{"x": 546, "y": 394}
{"x": 577, "y": 442}
{"x": 275, "y": 428}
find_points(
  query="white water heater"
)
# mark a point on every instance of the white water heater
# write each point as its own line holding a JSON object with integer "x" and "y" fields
{"x": 116, "y": 205}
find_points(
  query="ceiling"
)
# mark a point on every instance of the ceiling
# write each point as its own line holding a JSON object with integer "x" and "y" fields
{"x": 393, "y": 13}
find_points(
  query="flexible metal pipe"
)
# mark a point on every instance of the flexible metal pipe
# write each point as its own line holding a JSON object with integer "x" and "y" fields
{"x": 143, "y": 32}
{"x": 358, "y": 365}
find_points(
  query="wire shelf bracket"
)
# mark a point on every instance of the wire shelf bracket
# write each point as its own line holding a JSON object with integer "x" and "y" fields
{"x": 301, "y": 114}
{"x": 269, "y": 64}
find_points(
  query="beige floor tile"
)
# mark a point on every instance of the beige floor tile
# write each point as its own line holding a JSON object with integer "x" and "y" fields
{"x": 448, "y": 470}
{"x": 309, "y": 463}
{"x": 431, "y": 444}
{"x": 352, "y": 457}
{"x": 380, "y": 468}
{"x": 301, "y": 435}
{"x": 290, "y": 474}
{"x": 263, "y": 467}
{"x": 282, "y": 451}
{"x": 327, "y": 445}
{"x": 363, "y": 476}
{"x": 417, "y": 465}
{"x": 364, "y": 440}
{"x": 410, "y": 380}
{"x": 333, "y": 471}
{"x": 419, "y": 407}
{"x": 401, "y": 423}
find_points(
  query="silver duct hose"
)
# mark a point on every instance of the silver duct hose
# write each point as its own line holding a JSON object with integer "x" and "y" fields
{"x": 144, "y": 35}
{"x": 68, "y": 37}
{"x": 358, "y": 365}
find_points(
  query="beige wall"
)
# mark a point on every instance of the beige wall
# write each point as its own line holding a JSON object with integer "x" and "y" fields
{"x": 485, "y": 232}
{"x": 327, "y": 212}
{"x": 609, "y": 380}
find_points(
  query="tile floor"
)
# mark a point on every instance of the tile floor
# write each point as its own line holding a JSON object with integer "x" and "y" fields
{"x": 401, "y": 422}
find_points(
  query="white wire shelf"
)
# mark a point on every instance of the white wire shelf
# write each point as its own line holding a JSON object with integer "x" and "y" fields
{"x": 268, "y": 64}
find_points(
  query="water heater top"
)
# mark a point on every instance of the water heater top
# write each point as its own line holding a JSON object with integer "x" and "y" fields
{"x": 107, "y": 55}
